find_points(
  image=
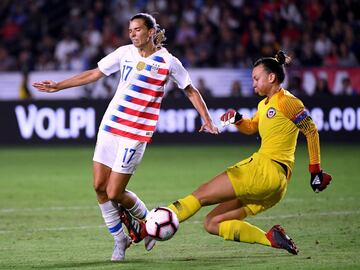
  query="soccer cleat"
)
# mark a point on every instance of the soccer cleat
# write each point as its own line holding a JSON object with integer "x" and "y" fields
{"x": 149, "y": 242}
{"x": 136, "y": 228}
{"x": 119, "y": 248}
{"x": 279, "y": 239}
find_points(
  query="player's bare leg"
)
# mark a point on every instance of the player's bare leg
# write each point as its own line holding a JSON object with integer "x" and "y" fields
{"x": 116, "y": 189}
{"x": 101, "y": 174}
{"x": 133, "y": 210}
{"x": 217, "y": 190}
{"x": 226, "y": 220}
{"x": 224, "y": 211}
{"x": 110, "y": 211}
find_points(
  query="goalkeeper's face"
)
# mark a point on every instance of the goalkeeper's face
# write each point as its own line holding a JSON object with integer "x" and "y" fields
{"x": 262, "y": 80}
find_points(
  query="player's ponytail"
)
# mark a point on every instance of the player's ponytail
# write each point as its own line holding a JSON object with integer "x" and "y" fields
{"x": 159, "y": 37}
{"x": 275, "y": 64}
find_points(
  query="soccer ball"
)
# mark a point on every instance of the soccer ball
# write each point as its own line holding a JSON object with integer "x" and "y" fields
{"x": 161, "y": 223}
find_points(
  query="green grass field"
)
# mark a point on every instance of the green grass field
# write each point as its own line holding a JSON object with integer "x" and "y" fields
{"x": 49, "y": 217}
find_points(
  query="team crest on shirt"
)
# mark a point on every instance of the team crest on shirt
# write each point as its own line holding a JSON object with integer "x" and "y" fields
{"x": 271, "y": 112}
{"x": 140, "y": 66}
{"x": 154, "y": 70}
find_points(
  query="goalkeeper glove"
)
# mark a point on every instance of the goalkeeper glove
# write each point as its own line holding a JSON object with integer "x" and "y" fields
{"x": 319, "y": 179}
{"x": 230, "y": 117}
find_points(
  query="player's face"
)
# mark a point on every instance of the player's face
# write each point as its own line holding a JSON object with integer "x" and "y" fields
{"x": 139, "y": 34}
{"x": 261, "y": 81}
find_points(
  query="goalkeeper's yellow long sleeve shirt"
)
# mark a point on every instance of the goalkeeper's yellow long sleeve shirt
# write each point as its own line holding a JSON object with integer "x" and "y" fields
{"x": 278, "y": 121}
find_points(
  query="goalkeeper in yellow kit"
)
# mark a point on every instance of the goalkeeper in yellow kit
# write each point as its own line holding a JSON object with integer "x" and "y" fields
{"x": 260, "y": 181}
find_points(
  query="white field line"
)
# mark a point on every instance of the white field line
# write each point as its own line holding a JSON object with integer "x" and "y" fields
{"x": 302, "y": 215}
{"x": 47, "y": 209}
{"x": 55, "y": 229}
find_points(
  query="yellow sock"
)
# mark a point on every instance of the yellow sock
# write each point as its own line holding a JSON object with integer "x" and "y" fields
{"x": 237, "y": 230}
{"x": 186, "y": 207}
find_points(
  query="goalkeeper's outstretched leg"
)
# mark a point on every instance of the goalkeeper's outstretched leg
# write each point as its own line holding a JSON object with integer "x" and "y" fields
{"x": 241, "y": 191}
{"x": 226, "y": 220}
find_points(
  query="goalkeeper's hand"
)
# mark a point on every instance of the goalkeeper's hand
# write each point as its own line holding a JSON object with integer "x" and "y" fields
{"x": 230, "y": 117}
{"x": 319, "y": 179}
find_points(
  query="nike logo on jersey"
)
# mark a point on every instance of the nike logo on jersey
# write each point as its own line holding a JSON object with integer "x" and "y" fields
{"x": 316, "y": 181}
{"x": 128, "y": 61}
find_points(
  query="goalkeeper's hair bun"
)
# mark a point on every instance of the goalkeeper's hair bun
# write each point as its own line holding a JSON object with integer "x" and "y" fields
{"x": 275, "y": 64}
{"x": 282, "y": 58}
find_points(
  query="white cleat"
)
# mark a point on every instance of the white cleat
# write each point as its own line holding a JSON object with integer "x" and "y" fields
{"x": 119, "y": 248}
{"x": 149, "y": 243}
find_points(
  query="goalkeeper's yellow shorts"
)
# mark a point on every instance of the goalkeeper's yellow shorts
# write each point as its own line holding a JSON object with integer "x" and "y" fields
{"x": 258, "y": 182}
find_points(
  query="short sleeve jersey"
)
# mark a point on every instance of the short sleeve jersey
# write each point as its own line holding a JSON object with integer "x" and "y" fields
{"x": 134, "y": 110}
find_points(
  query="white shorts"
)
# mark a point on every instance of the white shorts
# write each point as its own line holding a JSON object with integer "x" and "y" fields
{"x": 121, "y": 154}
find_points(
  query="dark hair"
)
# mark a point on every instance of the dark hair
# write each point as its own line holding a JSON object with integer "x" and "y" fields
{"x": 150, "y": 22}
{"x": 275, "y": 64}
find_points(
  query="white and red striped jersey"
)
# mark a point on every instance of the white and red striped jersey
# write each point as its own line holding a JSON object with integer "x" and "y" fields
{"x": 134, "y": 110}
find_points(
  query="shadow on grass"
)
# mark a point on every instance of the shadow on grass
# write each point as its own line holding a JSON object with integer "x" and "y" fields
{"x": 158, "y": 263}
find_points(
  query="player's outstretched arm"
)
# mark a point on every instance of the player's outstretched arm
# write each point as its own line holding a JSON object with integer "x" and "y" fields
{"x": 83, "y": 78}
{"x": 199, "y": 104}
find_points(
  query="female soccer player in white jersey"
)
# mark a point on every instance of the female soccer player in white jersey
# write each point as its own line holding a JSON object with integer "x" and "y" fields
{"x": 130, "y": 119}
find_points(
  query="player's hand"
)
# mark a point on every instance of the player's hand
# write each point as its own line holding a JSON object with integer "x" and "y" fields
{"x": 46, "y": 86}
{"x": 319, "y": 179}
{"x": 230, "y": 117}
{"x": 210, "y": 128}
